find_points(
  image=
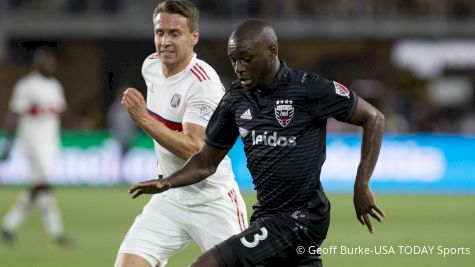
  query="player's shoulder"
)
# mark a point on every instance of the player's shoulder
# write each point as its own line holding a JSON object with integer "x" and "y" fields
{"x": 321, "y": 87}
{"x": 311, "y": 85}
{"x": 236, "y": 86}
{"x": 23, "y": 80}
{"x": 299, "y": 78}
{"x": 151, "y": 59}
{"x": 235, "y": 90}
{"x": 150, "y": 64}
{"x": 202, "y": 72}
{"x": 31, "y": 79}
{"x": 153, "y": 56}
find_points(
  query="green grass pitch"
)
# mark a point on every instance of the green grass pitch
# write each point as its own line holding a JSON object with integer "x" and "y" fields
{"x": 97, "y": 218}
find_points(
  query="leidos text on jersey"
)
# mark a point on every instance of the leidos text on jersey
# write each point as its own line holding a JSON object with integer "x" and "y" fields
{"x": 272, "y": 139}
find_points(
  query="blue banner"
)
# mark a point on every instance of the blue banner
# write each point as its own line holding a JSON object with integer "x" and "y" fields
{"x": 421, "y": 163}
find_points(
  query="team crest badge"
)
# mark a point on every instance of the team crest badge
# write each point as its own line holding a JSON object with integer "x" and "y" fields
{"x": 206, "y": 112}
{"x": 284, "y": 111}
{"x": 175, "y": 101}
{"x": 340, "y": 89}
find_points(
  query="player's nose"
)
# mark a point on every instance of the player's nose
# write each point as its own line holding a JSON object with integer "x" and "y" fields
{"x": 240, "y": 67}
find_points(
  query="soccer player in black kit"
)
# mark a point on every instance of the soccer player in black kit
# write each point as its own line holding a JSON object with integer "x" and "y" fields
{"x": 280, "y": 114}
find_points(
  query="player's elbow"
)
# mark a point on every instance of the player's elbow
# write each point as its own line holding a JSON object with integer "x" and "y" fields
{"x": 379, "y": 120}
{"x": 374, "y": 120}
{"x": 206, "y": 170}
{"x": 190, "y": 152}
{"x": 193, "y": 147}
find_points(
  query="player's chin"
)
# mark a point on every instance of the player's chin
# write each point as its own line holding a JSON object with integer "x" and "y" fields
{"x": 247, "y": 83}
{"x": 167, "y": 59}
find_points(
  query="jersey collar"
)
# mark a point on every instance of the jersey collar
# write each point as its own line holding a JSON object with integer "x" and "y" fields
{"x": 184, "y": 71}
{"x": 279, "y": 78}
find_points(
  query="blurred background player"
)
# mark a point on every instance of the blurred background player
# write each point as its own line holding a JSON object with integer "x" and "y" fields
{"x": 35, "y": 107}
{"x": 183, "y": 92}
{"x": 121, "y": 127}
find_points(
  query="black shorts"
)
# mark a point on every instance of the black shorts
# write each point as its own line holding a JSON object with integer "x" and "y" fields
{"x": 274, "y": 240}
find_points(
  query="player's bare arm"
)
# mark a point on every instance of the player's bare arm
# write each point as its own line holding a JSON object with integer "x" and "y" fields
{"x": 197, "y": 168}
{"x": 183, "y": 144}
{"x": 372, "y": 121}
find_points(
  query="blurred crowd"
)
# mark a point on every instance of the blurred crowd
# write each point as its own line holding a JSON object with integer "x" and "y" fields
{"x": 347, "y": 9}
{"x": 441, "y": 103}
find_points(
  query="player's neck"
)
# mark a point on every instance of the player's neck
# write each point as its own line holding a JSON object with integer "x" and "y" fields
{"x": 272, "y": 73}
{"x": 170, "y": 70}
{"x": 45, "y": 74}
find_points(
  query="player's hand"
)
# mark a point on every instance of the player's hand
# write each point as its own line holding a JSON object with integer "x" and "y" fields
{"x": 363, "y": 200}
{"x": 149, "y": 187}
{"x": 134, "y": 103}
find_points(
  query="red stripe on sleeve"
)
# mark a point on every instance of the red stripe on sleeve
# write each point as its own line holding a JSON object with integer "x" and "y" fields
{"x": 195, "y": 72}
{"x": 203, "y": 71}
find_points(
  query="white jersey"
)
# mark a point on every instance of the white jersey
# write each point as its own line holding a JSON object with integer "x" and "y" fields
{"x": 38, "y": 100}
{"x": 189, "y": 96}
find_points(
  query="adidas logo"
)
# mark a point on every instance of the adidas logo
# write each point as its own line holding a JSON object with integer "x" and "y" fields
{"x": 246, "y": 115}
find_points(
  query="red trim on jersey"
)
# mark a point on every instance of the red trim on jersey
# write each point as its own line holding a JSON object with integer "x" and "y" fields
{"x": 175, "y": 126}
{"x": 203, "y": 71}
{"x": 199, "y": 72}
{"x": 233, "y": 197}
{"x": 196, "y": 73}
{"x": 35, "y": 110}
{"x": 52, "y": 110}
{"x": 154, "y": 56}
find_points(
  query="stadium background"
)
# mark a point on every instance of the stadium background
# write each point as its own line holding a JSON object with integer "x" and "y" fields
{"x": 413, "y": 59}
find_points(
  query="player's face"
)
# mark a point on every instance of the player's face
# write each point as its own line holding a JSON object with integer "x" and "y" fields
{"x": 46, "y": 64}
{"x": 251, "y": 62}
{"x": 173, "y": 40}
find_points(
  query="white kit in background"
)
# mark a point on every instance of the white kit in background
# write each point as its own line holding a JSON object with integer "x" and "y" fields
{"x": 39, "y": 101}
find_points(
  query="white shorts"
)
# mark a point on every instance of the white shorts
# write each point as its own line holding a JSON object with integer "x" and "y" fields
{"x": 40, "y": 159}
{"x": 166, "y": 227}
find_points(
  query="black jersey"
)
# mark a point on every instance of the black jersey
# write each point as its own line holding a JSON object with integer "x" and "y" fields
{"x": 283, "y": 128}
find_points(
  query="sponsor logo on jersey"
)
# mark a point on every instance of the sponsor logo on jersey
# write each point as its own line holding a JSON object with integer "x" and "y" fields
{"x": 246, "y": 115}
{"x": 284, "y": 111}
{"x": 340, "y": 89}
{"x": 175, "y": 101}
{"x": 243, "y": 132}
{"x": 272, "y": 139}
{"x": 206, "y": 112}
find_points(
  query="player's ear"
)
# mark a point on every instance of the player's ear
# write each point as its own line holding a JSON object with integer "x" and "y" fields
{"x": 195, "y": 36}
{"x": 273, "y": 50}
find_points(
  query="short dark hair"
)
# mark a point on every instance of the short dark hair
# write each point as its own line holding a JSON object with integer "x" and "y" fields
{"x": 182, "y": 7}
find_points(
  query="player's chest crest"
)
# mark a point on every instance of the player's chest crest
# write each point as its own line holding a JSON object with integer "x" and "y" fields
{"x": 175, "y": 100}
{"x": 284, "y": 111}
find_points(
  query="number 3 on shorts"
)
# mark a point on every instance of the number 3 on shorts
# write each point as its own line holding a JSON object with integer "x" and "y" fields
{"x": 257, "y": 238}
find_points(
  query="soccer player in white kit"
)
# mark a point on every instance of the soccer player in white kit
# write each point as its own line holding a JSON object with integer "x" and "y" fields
{"x": 35, "y": 108}
{"x": 182, "y": 93}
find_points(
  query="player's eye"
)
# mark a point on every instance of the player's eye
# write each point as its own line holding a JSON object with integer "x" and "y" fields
{"x": 175, "y": 33}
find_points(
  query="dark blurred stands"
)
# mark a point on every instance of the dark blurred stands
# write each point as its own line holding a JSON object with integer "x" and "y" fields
{"x": 414, "y": 59}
